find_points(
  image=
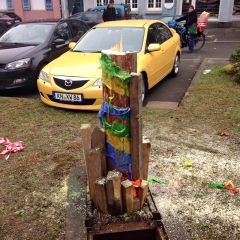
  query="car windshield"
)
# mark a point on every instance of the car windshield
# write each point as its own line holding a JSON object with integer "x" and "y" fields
{"x": 104, "y": 38}
{"x": 33, "y": 33}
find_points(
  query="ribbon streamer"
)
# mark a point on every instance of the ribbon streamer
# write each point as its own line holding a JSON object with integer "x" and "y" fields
{"x": 11, "y": 147}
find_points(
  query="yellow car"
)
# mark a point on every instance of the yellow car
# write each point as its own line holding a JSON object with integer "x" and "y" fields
{"x": 73, "y": 80}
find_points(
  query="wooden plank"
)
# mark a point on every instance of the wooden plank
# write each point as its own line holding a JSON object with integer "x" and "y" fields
{"x": 160, "y": 234}
{"x": 99, "y": 140}
{"x": 94, "y": 162}
{"x": 136, "y": 203}
{"x": 114, "y": 195}
{"x": 142, "y": 192}
{"x": 100, "y": 200}
{"x": 136, "y": 125}
{"x": 145, "y": 156}
{"x": 127, "y": 196}
{"x": 86, "y": 142}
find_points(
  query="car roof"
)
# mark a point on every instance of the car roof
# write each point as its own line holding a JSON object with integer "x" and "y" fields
{"x": 115, "y": 5}
{"x": 51, "y": 20}
{"x": 88, "y": 12}
{"x": 43, "y": 20}
{"x": 128, "y": 23}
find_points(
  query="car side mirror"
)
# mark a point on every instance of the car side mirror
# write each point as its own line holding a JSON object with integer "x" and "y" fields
{"x": 154, "y": 47}
{"x": 59, "y": 41}
{"x": 71, "y": 45}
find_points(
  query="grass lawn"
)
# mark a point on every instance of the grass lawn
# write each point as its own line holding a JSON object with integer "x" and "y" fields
{"x": 33, "y": 189}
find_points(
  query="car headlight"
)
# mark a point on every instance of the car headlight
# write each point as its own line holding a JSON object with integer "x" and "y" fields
{"x": 44, "y": 76}
{"x": 98, "y": 83}
{"x": 23, "y": 63}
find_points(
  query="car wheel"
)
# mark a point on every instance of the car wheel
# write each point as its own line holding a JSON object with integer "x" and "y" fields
{"x": 176, "y": 64}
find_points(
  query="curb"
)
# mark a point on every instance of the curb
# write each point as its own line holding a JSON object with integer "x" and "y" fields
{"x": 194, "y": 81}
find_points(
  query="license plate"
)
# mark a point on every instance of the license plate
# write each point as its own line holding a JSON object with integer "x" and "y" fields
{"x": 68, "y": 97}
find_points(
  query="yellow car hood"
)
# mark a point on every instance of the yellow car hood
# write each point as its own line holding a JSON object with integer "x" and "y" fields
{"x": 76, "y": 64}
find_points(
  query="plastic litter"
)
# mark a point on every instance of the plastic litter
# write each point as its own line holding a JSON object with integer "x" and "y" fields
{"x": 224, "y": 134}
{"x": 151, "y": 181}
{"x": 11, "y": 147}
{"x": 229, "y": 186}
{"x": 188, "y": 164}
{"x": 206, "y": 71}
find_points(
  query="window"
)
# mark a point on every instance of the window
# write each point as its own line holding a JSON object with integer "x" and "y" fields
{"x": 26, "y": 4}
{"x": 163, "y": 32}
{"x": 152, "y": 36}
{"x": 133, "y": 4}
{"x": 49, "y": 5}
{"x": 154, "y": 5}
{"x": 10, "y": 5}
{"x": 102, "y": 2}
{"x": 77, "y": 29}
{"x": 62, "y": 31}
{"x": 2, "y": 30}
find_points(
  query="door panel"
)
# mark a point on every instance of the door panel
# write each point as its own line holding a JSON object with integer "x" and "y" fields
{"x": 168, "y": 45}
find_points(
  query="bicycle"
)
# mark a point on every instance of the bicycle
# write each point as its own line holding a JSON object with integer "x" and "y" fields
{"x": 199, "y": 38}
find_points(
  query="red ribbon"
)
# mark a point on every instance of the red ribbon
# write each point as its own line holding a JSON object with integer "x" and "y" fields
{"x": 11, "y": 147}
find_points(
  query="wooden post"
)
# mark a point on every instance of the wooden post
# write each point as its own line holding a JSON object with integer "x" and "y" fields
{"x": 94, "y": 163}
{"x": 86, "y": 142}
{"x": 127, "y": 196}
{"x": 136, "y": 204}
{"x": 136, "y": 125}
{"x": 98, "y": 140}
{"x": 127, "y": 62}
{"x": 145, "y": 156}
{"x": 116, "y": 91}
{"x": 100, "y": 200}
{"x": 142, "y": 192}
{"x": 114, "y": 196}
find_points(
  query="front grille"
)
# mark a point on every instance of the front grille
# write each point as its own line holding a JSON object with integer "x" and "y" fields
{"x": 90, "y": 101}
{"x": 4, "y": 83}
{"x": 70, "y": 83}
{"x": 2, "y": 66}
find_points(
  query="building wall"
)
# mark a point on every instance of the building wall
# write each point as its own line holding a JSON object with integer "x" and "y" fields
{"x": 37, "y": 10}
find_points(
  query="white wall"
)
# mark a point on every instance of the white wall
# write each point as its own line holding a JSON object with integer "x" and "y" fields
{"x": 3, "y": 5}
{"x": 38, "y": 5}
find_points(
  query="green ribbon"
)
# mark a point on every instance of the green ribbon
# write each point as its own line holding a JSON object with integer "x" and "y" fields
{"x": 113, "y": 70}
{"x": 117, "y": 129}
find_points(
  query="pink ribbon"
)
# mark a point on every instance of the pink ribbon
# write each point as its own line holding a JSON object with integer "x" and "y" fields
{"x": 11, "y": 147}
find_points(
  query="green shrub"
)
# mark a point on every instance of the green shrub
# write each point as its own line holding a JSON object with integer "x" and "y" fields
{"x": 235, "y": 62}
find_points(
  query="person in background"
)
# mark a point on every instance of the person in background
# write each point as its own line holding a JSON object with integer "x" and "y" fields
{"x": 109, "y": 13}
{"x": 190, "y": 18}
{"x": 75, "y": 9}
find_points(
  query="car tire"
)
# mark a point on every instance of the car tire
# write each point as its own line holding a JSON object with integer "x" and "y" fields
{"x": 175, "y": 68}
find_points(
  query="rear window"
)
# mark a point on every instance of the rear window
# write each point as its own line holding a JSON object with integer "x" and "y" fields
{"x": 90, "y": 17}
{"x": 118, "y": 11}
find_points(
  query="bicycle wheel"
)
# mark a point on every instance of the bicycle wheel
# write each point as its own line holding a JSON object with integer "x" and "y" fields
{"x": 199, "y": 41}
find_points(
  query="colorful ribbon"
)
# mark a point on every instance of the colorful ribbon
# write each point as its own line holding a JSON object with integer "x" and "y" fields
{"x": 229, "y": 186}
{"x": 11, "y": 147}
